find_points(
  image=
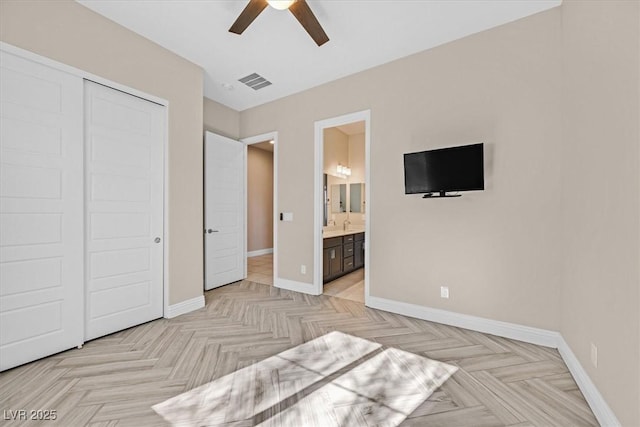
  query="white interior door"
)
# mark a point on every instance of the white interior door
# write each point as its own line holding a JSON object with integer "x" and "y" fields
{"x": 41, "y": 258}
{"x": 124, "y": 152}
{"x": 224, "y": 210}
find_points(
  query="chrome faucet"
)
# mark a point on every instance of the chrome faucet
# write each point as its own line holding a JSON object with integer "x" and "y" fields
{"x": 346, "y": 224}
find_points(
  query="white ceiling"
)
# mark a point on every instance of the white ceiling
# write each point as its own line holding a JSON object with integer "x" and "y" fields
{"x": 363, "y": 34}
{"x": 266, "y": 145}
{"x": 352, "y": 128}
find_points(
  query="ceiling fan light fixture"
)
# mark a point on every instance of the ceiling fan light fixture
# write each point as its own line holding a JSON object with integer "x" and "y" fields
{"x": 298, "y": 8}
{"x": 280, "y": 4}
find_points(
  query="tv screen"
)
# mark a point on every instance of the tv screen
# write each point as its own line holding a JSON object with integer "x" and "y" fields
{"x": 445, "y": 169}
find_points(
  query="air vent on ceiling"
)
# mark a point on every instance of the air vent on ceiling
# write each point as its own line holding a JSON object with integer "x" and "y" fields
{"x": 255, "y": 81}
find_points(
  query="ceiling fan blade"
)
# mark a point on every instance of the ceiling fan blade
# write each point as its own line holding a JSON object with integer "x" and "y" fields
{"x": 305, "y": 16}
{"x": 250, "y": 12}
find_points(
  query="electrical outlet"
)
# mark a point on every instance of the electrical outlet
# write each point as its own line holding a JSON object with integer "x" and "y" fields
{"x": 444, "y": 292}
{"x": 594, "y": 355}
{"x": 303, "y": 269}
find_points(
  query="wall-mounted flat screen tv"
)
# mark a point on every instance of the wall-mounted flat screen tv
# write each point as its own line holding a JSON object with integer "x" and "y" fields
{"x": 446, "y": 169}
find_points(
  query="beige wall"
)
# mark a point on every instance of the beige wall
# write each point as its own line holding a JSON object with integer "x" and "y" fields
{"x": 600, "y": 153}
{"x": 72, "y": 34}
{"x": 497, "y": 250}
{"x": 553, "y": 241}
{"x": 221, "y": 119}
{"x": 336, "y": 150}
{"x": 259, "y": 199}
{"x": 357, "y": 157}
{"x": 357, "y": 164}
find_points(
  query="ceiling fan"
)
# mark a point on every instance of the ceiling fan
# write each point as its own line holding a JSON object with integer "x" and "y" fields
{"x": 299, "y": 8}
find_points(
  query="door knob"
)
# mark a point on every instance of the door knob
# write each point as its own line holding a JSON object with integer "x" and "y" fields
{"x": 211, "y": 231}
{"x": 157, "y": 240}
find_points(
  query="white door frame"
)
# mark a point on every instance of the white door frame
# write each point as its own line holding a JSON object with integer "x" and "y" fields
{"x": 318, "y": 210}
{"x": 250, "y": 141}
{"x": 135, "y": 92}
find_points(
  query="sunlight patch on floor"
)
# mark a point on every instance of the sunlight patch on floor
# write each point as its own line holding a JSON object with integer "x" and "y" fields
{"x": 333, "y": 380}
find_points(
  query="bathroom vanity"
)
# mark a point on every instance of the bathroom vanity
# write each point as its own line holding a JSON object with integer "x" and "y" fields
{"x": 343, "y": 252}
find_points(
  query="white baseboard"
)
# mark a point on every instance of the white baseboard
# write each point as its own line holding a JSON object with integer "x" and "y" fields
{"x": 599, "y": 406}
{"x": 259, "y": 252}
{"x": 292, "y": 285}
{"x": 184, "y": 307}
{"x": 495, "y": 327}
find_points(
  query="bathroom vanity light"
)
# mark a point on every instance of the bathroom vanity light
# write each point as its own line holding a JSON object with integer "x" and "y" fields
{"x": 343, "y": 171}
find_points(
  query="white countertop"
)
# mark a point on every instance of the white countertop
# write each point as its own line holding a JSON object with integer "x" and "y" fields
{"x": 338, "y": 233}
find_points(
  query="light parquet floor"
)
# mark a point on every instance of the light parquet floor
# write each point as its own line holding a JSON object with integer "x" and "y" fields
{"x": 116, "y": 379}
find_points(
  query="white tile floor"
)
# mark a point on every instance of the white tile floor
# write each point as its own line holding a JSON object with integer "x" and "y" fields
{"x": 350, "y": 286}
{"x": 260, "y": 269}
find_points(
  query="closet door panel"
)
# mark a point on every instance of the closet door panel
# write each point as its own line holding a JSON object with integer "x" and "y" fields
{"x": 41, "y": 211}
{"x": 124, "y": 147}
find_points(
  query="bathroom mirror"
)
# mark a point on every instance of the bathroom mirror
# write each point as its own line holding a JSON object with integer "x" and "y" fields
{"x": 339, "y": 198}
{"x": 356, "y": 197}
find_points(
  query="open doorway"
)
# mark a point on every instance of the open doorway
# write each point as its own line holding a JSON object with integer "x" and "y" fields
{"x": 260, "y": 208}
{"x": 344, "y": 211}
{"x": 342, "y": 206}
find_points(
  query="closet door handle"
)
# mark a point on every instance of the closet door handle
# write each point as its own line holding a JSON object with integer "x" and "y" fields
{"x": 212, "y": 231}
{"x": 157, "y": 240}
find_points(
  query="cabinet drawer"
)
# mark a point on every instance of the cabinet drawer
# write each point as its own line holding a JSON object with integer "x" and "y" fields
{"x": 329, "y": 243}
{"x": 348, "y": 250}
{"x": 348, "y": 238}
{"x": 348, "y": 263}
{"x": 359, "y": 236}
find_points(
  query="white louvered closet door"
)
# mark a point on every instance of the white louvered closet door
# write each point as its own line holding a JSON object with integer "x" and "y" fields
{"x": 124, "y": 161}
{"x": 41, "y": 210}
